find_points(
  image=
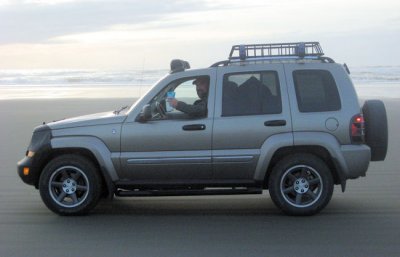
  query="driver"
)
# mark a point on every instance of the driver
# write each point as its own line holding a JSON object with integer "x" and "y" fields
{"x": 199, "y": 107}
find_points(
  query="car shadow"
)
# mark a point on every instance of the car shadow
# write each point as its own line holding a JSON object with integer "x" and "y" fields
{"x": 188, "y": 206}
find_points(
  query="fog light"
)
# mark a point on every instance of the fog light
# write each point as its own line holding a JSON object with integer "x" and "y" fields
{"x": 26, "y": 171}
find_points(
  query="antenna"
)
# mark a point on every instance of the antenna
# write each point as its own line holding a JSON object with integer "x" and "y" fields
{"x": 141, "y": 77}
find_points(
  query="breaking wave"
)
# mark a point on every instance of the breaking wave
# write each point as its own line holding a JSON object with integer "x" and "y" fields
{"x": 81, "y": 77}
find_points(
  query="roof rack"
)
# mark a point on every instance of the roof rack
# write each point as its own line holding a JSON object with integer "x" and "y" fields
{"x": 273, "y": 51}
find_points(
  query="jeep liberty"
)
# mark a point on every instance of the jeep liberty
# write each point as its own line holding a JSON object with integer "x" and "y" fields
{"x": 278, "y": 117}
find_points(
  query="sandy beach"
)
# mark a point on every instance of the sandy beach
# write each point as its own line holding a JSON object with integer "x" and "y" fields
{"x": 364, "y": 221}
{"x": 67, "y": 58}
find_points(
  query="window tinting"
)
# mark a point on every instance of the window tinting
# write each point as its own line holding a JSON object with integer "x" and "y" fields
{"x": 251, "y": 94}
{"x": 316, "y": 91}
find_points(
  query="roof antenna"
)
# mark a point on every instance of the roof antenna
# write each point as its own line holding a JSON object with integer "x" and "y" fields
{"x": 141, "y": 78}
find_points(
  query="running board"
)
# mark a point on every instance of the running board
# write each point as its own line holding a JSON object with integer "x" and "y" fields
{"x": 186, "y": 192}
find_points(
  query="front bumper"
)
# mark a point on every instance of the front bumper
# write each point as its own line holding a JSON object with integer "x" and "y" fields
{"x": 29, "y": 168}
{"x": 32, "y": 177}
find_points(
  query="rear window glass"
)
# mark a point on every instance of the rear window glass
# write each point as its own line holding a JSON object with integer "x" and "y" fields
{"x": 316, "y": 91}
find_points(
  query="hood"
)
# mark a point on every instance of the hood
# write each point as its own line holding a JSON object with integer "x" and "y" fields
{"x": 88, "y": 120}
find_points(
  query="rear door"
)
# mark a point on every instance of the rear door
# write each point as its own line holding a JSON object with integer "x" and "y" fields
{"x": 252, "y": 105}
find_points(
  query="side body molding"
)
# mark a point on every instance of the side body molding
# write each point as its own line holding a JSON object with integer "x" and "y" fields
{"x": 95, "y": 146}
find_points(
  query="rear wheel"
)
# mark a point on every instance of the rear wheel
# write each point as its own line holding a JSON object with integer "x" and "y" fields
{"x": 301, "y": 184}
{"x": 70, "y": 185}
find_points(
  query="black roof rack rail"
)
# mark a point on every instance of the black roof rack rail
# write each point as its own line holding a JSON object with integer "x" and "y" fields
{"x": 221, "y": 63}
{"x": 273, "y": 51}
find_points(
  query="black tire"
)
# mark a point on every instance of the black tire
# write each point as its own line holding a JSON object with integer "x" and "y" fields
{"x": 376, "y": 128}
{"x": 70, "y": 185}
{"x": 301, "y": 184}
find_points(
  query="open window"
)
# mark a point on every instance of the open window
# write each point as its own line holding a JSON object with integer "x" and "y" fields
{"x": 183, "y": 90}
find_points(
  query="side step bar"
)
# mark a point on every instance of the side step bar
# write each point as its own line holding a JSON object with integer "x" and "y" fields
{"x": 186, "y": 192}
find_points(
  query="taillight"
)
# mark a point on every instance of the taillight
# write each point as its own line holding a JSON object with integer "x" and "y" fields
{"x": 357, "y": 129}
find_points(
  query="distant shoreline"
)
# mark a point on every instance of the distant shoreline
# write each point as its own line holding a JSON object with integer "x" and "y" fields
{"x": 107, "y": 91}
{"x": 369, "y": 82}
{"x": 70, "y": 92}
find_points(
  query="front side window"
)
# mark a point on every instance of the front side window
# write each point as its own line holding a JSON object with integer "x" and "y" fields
{"x": 251, "y": 93}
{"x": 316, "y": 91}
{"x": 182, "y": 98}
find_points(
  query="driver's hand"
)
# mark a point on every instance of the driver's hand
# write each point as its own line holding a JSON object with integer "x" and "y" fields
{"x": 173, "y": 102}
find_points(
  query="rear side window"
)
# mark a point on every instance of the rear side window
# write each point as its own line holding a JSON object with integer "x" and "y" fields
{"x": 251, "y": 93}
{"x": 316, "y": 91}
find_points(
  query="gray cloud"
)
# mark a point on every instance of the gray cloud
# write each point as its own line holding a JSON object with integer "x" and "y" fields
{"x": 37, "y": 23}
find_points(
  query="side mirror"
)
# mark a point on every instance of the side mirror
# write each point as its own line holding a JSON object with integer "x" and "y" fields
{"x": 145, "y": 114}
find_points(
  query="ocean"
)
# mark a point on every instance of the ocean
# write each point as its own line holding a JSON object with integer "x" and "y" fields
{"x": 369, "y": 81}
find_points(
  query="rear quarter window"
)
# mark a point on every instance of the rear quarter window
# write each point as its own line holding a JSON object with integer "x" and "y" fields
{"x": 316, "y": 91}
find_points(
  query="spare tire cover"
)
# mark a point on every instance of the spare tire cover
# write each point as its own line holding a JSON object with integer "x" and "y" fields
{"x": 376, "y": 128}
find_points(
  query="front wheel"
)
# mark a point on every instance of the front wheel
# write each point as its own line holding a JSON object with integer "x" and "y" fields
{"x": 301, "y": 184}
{"x": 70, "y": 185}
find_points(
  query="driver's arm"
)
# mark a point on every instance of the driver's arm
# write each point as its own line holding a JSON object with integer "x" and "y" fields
{"x": 198, "y": 109}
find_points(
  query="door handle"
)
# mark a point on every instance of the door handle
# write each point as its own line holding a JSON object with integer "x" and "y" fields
{"x": 194, "y": 127}
{"x": 275, "y": 123}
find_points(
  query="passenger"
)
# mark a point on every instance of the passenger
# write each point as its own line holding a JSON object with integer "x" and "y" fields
{"x": 199, "y": 107}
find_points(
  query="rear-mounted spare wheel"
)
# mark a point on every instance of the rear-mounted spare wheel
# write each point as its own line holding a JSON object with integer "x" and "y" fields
{"x": 376, "y": 128}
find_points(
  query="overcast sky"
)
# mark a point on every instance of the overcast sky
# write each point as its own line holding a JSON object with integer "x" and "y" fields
{"x": 147, "y": 34}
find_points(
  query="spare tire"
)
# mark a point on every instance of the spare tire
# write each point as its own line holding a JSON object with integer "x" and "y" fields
{"x": 376, "y": 128}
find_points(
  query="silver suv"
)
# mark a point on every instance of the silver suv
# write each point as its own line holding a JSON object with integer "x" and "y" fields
{"x": 280, "y": 117}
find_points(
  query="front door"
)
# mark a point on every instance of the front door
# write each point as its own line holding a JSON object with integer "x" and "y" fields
{"x": 172, "y": 146}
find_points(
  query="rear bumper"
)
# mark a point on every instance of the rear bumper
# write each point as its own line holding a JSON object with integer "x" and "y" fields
{"x": 357, "y": 158}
